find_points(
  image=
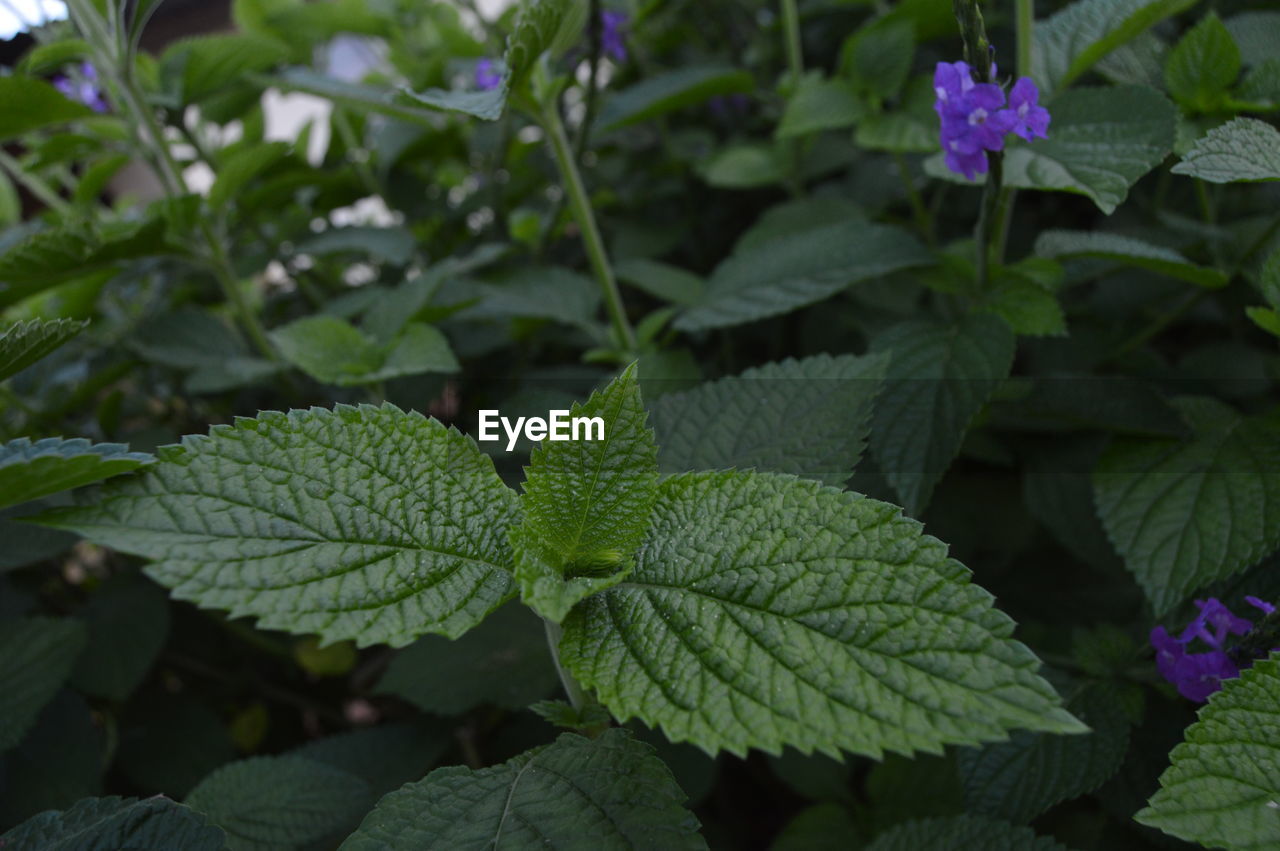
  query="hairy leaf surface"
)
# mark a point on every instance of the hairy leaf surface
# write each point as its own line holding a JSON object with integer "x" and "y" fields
{"x": 362, "y": 523}
{"x": 766, "y": 610}
{"x": 660, "y": 94}
{"x": 1132, "y": 252}
{"x": 1190, "y": 512}
{"x": 808, "y": 417}
{"x": 25, "y": 343}
{"x": 1222, "y": 789}
{"x": 587, "y": 503}
{"x": 110, "y": 824}
{"x": 1244, "y": 149}
{"x": 31, "y": 470}
{"x": 606, "y": 793}
{"x": 940, "y": 376}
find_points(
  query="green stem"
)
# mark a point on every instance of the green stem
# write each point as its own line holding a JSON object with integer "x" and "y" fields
{"x": 795, "y": 52}
{"x": 1026, "y": 19}
{"x": 577, "y": 695}
{"x": 580, "y": 207}
{"x": 34, "y": 184}
{"x": 918, "y": 210}
{"x": 225, "y": 275}
{"x": 987, "y": 217}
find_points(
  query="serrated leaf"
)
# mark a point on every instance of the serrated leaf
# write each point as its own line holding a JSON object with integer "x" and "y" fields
{"x": 1203, "y": 65}
{"x": 1222, "y": 788}
{"x": 663, "y": 93}
{"x": 1256, "y": 34}
{"x": 25, "y": 343}
{"x": 128, "y": 621}
{"x": 31, "y": 103}
{"x": 384, "y": 757}
{"x": 801, "y": 615}
{"x": 1100, "y": 143}
{"x": 1028, "y": 304}
{"x": 805, "y": 267}
{"x": 962, "y": 833}
{"x": 279, "y": 802}
{"x": 940, "y": 376}
{"x": 333, "y": 351}
{"x": 367, "y": 523}
{"x": 237, "y": 170}
{"x": 487, "y": 105}
{"x": 819, "y": 104}
{"x": 1243, "y": 149}
{"x": 586, "y": 503}
{"x": 1072, "y": 41}
{"x": 1132, "y": 252}
{"x": 878, "y": 57}
{"x": 1190, "y": 512}
{"x": 502, "y": 662}
{"x": 31, "y": 470}
{"x": 36, "y": 657}
{"x": 1019, "y": 779}
{"x": 109, "y": 824}
{"x": 808, "y": 417}
{"x": 605, "y": 793}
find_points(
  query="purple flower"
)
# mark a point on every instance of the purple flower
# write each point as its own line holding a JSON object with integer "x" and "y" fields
{"x": 611, "y": 26}
{"x": 1198, "y": 675}
{"x": 488, "y": 75}
{"x": 1031, "y": 119}
{"x": 973, "y": 118}
{"x": 1266, "y": 607}
{"x": 85, "y": 90}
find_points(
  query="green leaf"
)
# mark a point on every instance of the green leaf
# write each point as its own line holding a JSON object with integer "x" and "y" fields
{"x": 30, "y": 104}
{"x": 486, "y": 105}
{"x": 940, "y": 376}
{"x": 962, "y": 833}
{"x": 31, "y": 470}
{"x": 502, "y": 662}
{"x": 366, "y": 523}
{"x": 1101, "y": 142}
{"x": 128, "y": 621}
{"x": 824, "y": 827}
{"x": 878, "y": 57}
{"x": 397, "y": 103}
{"x": 1027, "y": 300}
{"x": 205, "y": 65}
{"x": 36, "y": 657}
{"x": 660, "y": 280}
{"x": 1256, "y": 34}
{"x": 806, "y": 267}
{"x": 1072, "y": 41}
{"x": 663, "y": 93}
{"x": 605, "y": 793}
{"x": 794, "y": 218}
{"x": 385, "y": 757}
{"x": 1203, "y": 66}
{"x": 1266, "y": 318}
{"x": 1222, "y": 789}
{"x": 586, "y": 503}
{"x": 808, "y": 417}
{"x": 393, "y": 245}
{"x": 27, "y": 342}
{"x": 801, "y": 615}
{"x": 108, "y": 824}
{"x": 1129, "y": 251}
{"x": 52, "y": 56}
{"x": 279, "y": 802}
{"x": 237, "y": 170}
{"x": 819, "y": 104}
{"x": 1019, "y": 779}
{"x": 1244, "y": 149}
{"x": 60, "y": 761}
{"x": 911, "y": 129}
{"x": 542, "y": 26}
{"x": 333, "y": 351}
{"x": 1190, "y": 512}
{"x": 744, "y": 166}
{"x": 541, "y": 292}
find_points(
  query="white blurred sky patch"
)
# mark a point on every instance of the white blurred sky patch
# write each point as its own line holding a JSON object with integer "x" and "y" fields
{"x": 19, "y": 15}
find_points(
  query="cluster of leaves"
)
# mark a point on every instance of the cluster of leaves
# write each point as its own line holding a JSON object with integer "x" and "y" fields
{"x": 302, "y": 614}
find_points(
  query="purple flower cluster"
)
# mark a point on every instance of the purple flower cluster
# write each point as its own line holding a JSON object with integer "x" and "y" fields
{"x": 488, "y": 75}
{"x": 1198, "y": 675}
{"x": 85, "y": 90}
{"x": 612, "y": 25}
{"x": 975, "y": 117}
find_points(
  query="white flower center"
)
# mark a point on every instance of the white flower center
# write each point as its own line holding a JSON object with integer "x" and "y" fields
{"x": 978, "y": 116}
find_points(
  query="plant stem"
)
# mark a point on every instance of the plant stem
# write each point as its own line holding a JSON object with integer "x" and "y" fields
{"x": 577, "y": 695}
{"x": 991, "y": 196}
{"x": 580, "y": 207}
{"x": 795, "y": 52}
{"x": 1025, "y": 19}
{"x": 34, "y": 184}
